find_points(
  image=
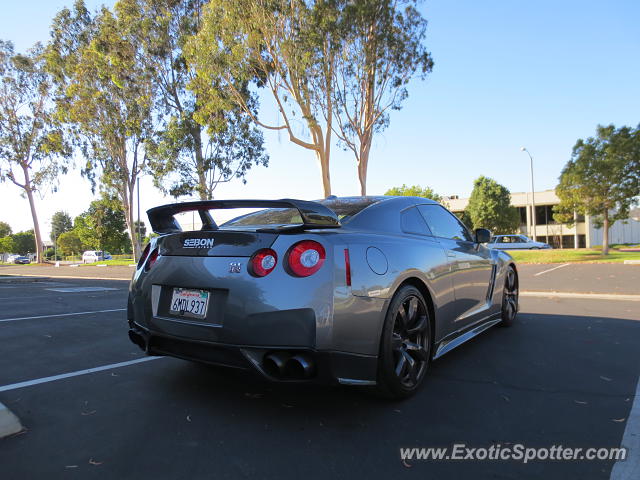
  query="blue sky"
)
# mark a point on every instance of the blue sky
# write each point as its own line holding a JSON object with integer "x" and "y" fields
{"x": 507, "y": 73}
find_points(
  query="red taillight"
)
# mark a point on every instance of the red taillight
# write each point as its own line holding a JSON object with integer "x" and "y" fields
{"x": 305, "y": 258}
{"x": 263, "y": 262}
{"x": 347, "y": 267}
{"x": 143, "y": 257}
{"x": 152, "y": 259}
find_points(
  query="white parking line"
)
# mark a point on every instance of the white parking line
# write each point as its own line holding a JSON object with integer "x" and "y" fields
{"x": 551, "y": 269}
{"x": 592, "y": 296}
{"x": 82, "y": 289}
{"x": 53, "y": 378}
{"x": 630, "y": 468}
{"x": 61, "y": 315}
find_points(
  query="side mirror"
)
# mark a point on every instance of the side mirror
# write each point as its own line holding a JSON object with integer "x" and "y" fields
{"x": 483, "y": 235}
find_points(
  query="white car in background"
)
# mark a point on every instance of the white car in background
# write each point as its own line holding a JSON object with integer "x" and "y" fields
{"x": 516, "y": 242}
{"x": 92, "y": 256}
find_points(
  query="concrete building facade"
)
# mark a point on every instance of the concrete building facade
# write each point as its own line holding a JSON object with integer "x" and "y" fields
{"x": 559, "y": 235}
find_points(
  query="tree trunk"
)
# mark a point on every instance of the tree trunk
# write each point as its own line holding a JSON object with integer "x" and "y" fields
{"x": 324, "y": 172}
{"x": 36, "y": 225}
{"x": 127, "y": 205}
{"x": 605, "y": 233}
{"x": 203, "y": 189}
{"x": 363, "y": 163}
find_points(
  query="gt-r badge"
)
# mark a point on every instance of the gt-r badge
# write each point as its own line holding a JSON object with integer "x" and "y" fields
{"x": 235, "y": 267}
{"x": 198, "y": 243}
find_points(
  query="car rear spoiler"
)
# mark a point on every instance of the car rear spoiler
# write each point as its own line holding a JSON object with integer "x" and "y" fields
{"x": 313, "y": 214}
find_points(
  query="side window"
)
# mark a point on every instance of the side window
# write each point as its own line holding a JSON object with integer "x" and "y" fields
{"x": 412, "y": 222}
{"x": 444, "y": 224}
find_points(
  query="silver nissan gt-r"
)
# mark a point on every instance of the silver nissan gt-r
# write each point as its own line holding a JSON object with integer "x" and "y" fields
{"x": 355, "y": 291}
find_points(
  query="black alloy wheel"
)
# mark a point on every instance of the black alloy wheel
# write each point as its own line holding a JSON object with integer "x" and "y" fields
{"x": 406, "y": 344}
{"x": 510, "y": 297}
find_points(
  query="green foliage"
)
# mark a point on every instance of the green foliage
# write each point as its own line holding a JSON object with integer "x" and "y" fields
{"x": 148, "y": 238}
{"x": 379, "y": 49}
{"x": 33, "y": 149}
{"x": 276, "y": 44}
{"x": 69, "y": 243}
{"x": 102, "y": 227}
{"x": 602, "y": 179}
{"x": 105, "y": 95}
{"x": 5, "y": 229}
{"x": 7, "y": 244}
{"x": 50, "y": 254}
{"x": 184, "y": 158}
{"x": 464, "y": 217}
{"x": 24, "y": 242}
{"x": 60, "y": 223}
{"x": 414, "y": 191}
{"x": 490, "y": 207}
{"x": 141, "y": 229}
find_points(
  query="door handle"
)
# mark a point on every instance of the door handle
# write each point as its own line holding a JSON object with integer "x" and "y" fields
{"x": 451, "y": 254}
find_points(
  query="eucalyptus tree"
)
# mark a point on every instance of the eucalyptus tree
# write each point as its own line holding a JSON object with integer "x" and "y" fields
{"x": 276, "y": 44}
{"x": 381, "y": 48}
{"x": 33, "y": 151}
{"x": 106, "y": 96}
{"x": 188, "y": 155}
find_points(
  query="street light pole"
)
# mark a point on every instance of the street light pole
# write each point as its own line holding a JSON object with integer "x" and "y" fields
{"x": 533, "y": 198}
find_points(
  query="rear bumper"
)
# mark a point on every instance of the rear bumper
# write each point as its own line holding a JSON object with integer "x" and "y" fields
{"x": 329, "y": 367}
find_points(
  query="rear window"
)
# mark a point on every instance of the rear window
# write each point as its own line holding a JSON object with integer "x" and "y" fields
{"x": 345, "y": 208}
{"x": 268, "y": 216}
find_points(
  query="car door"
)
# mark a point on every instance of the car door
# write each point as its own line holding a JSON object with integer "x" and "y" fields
{"x": 472, "y": 268}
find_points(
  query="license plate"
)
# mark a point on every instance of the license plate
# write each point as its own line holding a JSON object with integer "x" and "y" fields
{"x": 192, "y": 303}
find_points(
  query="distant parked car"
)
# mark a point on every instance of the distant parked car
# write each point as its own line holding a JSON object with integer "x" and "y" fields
{"x": 91, "y": 256}
{"x": 21, "y": 260}
{"x": 11, "y": 258}
{"x": 516, "y": 242}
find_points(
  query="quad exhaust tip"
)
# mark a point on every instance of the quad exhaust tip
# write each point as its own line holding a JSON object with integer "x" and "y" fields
{"x": 284, "y": 365}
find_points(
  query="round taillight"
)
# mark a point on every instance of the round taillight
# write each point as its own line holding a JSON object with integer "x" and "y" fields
{"x": 143, "y": 257}
{"x": 263, "y": 262}
{"x": 153, "y": 256}
{"x": 305, "y": 258}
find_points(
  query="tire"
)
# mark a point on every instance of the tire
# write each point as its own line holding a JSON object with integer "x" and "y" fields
{"x": 510, "y": 297}
{"x": 405, "y": 345}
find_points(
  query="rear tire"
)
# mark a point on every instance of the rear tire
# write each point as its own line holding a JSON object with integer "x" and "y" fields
{"x": 510, "y": 297}
{"x": 405, "y": 345}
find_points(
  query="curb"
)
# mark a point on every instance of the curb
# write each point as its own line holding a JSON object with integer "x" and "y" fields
{"x": 23, "y": 279}
{"x": 41, "y": 278}
{"x": 632, "y": 262}
{"x": 9, "y": 423}
{"x": 594, "y": 296}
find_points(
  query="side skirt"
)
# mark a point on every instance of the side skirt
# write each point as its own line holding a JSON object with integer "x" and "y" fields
{"x": 447, "y": 345}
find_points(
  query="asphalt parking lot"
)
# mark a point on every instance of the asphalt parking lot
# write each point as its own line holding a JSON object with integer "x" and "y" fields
{"x": 565, "y": 373}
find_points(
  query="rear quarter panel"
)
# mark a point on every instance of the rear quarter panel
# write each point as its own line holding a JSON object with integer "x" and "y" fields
{"x": 408, "y": 257}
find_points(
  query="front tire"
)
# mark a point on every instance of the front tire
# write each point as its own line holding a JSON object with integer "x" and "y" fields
{"x": 405, "y": 344}
{"x": 510, "y": 297}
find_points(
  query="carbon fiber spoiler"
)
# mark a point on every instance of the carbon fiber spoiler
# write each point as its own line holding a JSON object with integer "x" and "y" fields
{"x": 313, "y": 214}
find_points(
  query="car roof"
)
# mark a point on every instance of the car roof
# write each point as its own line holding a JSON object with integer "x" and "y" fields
{"x": 380, "y": 213}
